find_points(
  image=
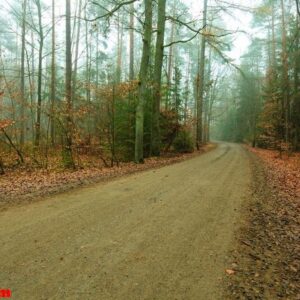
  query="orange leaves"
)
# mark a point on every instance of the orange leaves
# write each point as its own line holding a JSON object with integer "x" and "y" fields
{"x": 20, "y": 184}
{"x": 120, "y": 90}
{"x": 5, "y": 123}
{"x": 285, "y": 170}
{"x": 229, "y": 272}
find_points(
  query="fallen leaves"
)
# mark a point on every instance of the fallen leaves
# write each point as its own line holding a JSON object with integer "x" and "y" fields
{"x": 18, "y": 185}
{"x": 284, "y": 171}
{"x": 229, "y": 272}
{"x": 268, "y": 244}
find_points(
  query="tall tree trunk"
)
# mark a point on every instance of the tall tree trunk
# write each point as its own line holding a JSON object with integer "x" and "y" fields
{"x": 285, "y": 77}
{"x": 87, "y": 63}
{"x": 76, "y": 52}
{"x": 67, "y": 151}
{"x": 296, "y": 100}
{"x": 201, "y": 81}
{"x": 273, "y": 38}
{"x": 53, "y": 78}
{"x": 119, "y": 50}
{"x": 142, "y": 90}
{"x": 33, "y": 80}
{"x": 158, "y": 63}
{"x": 23, "y": 100}
{"x": 40, "y": 76}
{"x": 131, "y": 43}
{"x": 206, "y": 102}
{"x": 187, "y": 89}
{"x": 170, "y": 59}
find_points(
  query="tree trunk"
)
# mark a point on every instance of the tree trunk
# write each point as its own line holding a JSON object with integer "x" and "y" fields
{"x": 296, "y": 100}
{"x": 53, "y": 78}
{"x": 119, "y": 50}
{"x": 158, "y": 63}
{"x": 170, "y": 60}
{"x": 285, "y": 78}
{"x": 23, "y": 100}
{"x": 199, "y": 128}
{"x": 67, "y": 151}
{"x": 40, "y": 74}
{"x": 76, "y": 52}
{"x": 131, "y": 43}
{"x": 142, "y": 89}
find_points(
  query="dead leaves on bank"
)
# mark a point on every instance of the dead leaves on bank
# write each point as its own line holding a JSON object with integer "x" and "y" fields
{"x": 268, "y": 244}
{"x": 19, "y": 185}
{"x": 284, "y": 171}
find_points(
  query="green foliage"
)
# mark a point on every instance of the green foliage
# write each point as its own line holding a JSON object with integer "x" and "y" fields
{"x": 183, "y": 143}
{"x": 67, "y": 158}
{"x": 169, "y": 127}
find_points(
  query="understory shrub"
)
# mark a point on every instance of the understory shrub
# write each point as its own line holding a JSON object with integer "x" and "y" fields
{"x": 183, "y": 143}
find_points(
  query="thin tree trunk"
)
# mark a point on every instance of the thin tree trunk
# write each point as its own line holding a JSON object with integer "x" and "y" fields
{"x": 76, "y": 53}
{"x": 273, "y": 38}
{"x": 40, "y": 74}
{"x": 119, "y": 50}
{"x": 67, "y": 151}
{"x": 142, "y": 90}
{"x": 23, "y": 100}
{"x": 187, "y": 90}
{"x": 87, "y": 64}
{"x": 131, "y": 43}
{"x": 201, "y": 81}
{"x": 285, "y": 75}
{"x": 206, "y": 102}
{"x": 53, "y": 78}
{"x": 158, "y": 63}
{"x": 170, "y": 62}
{"x": 296, "y": 104}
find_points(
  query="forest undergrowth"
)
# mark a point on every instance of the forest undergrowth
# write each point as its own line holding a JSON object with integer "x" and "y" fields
{"x": 266, "y": 262}
{"x": 19, "y": 186}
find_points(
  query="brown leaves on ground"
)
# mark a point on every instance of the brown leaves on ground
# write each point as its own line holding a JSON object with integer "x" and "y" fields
{"x": 23, "y": 185}
{"x": 267, "y": 252}
{"x": 229, "y": 272}
{"x": 285, "y": 170}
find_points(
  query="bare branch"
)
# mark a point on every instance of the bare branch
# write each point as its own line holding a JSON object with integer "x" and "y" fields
{"x": 225, "y": 58}
{"x": 109, "y": 12}
{"x": 185, "y": 41}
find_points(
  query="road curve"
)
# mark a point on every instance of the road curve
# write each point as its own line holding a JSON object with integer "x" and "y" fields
{"x": 160, "y": 234}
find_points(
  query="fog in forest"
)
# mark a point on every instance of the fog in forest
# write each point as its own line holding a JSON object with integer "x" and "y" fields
{"x": 127, "y": 80}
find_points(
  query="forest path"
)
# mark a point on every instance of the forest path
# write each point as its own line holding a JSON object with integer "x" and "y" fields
{"x": 160, "y": 234}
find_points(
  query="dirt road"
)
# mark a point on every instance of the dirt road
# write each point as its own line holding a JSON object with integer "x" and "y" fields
{"x": 161, "y": 234}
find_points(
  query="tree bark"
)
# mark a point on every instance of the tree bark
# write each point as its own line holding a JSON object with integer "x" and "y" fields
{"x": 23, "y": 100}
{"x": 67, "y": 151}
{"x": 76, "y": 52}
{"x": 285, "y": 77}
{"x": 142, "y": 89}
{"x": 131, "y": 43}
{"x": 199, "y": 128}
{"x": 158, "y": 63}
{"x": 119, "y": 50}
{"x": 53, "y": 78}
{"x": 170, "y": 60}
{"x": 40, "y": 74}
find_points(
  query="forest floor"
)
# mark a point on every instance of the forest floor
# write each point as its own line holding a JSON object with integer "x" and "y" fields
{"x": 24, "y": 185}
{"x": 158, "y": 234}
{"x": 265, "y": 264}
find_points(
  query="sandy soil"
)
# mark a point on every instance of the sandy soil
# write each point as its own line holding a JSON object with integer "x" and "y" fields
{"x": 160, "y": 234}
